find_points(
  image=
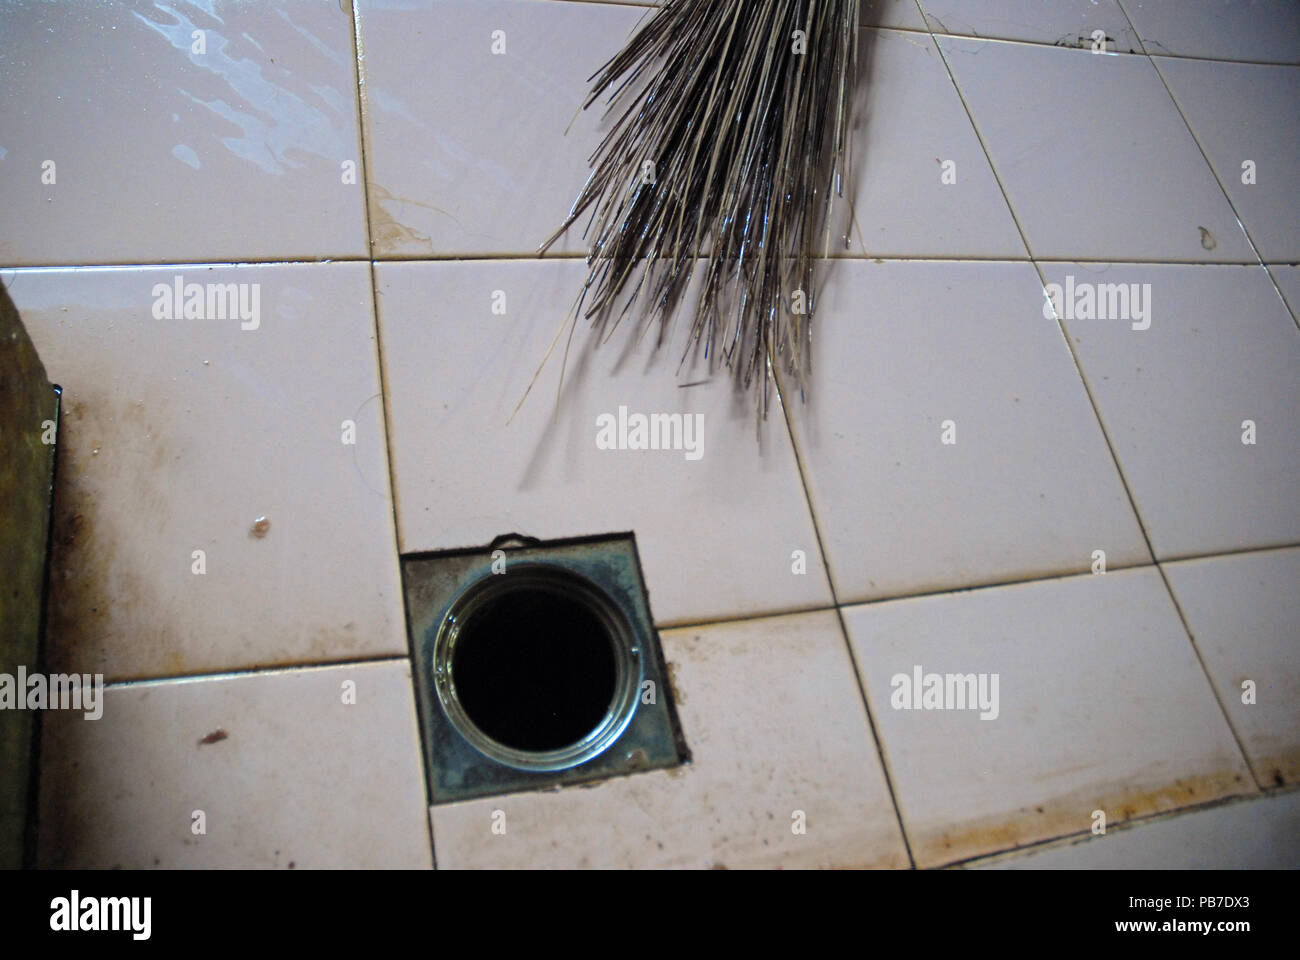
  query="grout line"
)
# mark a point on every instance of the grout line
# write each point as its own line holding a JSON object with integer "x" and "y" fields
{"x": 689, "y": 624}
{"x": 844, "y": 633}
{"x": 363, "y": 135}
{"x": 250, "y": 672}
{"x": 968, "y": 588}
{"x": 1042, "y": 279}
{"x": 1096, "y": 409}
{"x": 1209, "y": 677}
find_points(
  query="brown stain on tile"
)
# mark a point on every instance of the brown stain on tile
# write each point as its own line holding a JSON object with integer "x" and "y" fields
{"x": 216, "y": 736}
{"x": 674, "y": 687}
{"x": 1276, "y": 767}
{"x": 93, "y": 593}
{"x": 105, "y": 613}
{"x": 387, "y": 233}
{"x": 1065, "y": 815}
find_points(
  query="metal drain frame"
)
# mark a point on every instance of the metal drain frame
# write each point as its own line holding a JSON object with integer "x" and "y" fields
{"x": 604, "y": 574}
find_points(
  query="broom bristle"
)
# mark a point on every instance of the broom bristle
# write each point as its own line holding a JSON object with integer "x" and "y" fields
{"x": 730, "y": 142}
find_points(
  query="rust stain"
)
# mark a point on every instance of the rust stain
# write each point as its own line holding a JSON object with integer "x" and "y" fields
{"x": 388, "y": 234}
{"x": 673, "y": 685}
{"x": 1065, "y": 815}
{"x": 216, "y": 736}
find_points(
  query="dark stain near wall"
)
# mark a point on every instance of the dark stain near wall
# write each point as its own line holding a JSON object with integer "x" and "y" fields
{"x": 97, "y": 602}
{"x": 1066, "y": 815}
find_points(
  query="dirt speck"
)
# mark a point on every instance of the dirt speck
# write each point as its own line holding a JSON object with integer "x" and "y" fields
{"x": 1207, "y": 239}
{"x": 216, "y": 736}
{"x": 260, "y": 528}
{"x": 75, "y": 525}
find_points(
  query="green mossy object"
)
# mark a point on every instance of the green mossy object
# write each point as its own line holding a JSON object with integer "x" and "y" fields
{"x": 29, "y": 413}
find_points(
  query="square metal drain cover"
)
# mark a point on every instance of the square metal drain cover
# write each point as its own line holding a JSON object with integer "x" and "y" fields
{"x": 537, "y": 664}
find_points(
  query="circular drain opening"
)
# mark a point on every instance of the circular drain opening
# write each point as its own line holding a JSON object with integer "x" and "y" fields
{"x": 536, "y": 668}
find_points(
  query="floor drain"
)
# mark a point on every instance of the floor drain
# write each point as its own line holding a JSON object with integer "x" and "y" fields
{"x": 539, "y": 665}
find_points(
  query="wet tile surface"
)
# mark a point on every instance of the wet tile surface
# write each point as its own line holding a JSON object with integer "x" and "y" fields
{"x": 261, "y": 455}
{"x": 466, "y": 152}
{"x": 126, "y": 138}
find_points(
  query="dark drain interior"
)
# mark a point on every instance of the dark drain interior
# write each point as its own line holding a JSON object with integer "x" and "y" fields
{"x": 534, "y": 668}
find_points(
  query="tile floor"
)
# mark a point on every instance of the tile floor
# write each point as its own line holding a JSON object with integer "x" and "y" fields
{"x": 1050, "y": 444}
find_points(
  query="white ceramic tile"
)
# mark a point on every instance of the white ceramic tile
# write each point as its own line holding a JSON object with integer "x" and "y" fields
{"x": 1220, "y": 350}
{"x": 1094, "y": 156}
{"x": 1263, "y": 30}
{"x": 163, "y": 154}
{"x": 1027, "y": 490}
{"x": 1063, "y": 23}
{"x": 466, "y": 151}
{"x": 1101, "y": 705}
{"x": 1260, "y": 833}
{"x": 300, "y": 779}
{"x": 1244, "y": 614}
{"x": 1245, "y": 113}
{"x": 1287, "y": 279}
{"x": 178, "y": 435}
{"x": 776, "y": 727}
{"x": 882, "y": 13}
{"x": 902, "y": 14}
{"x": 912, "y": 136}
{"x": 716, "y": 534}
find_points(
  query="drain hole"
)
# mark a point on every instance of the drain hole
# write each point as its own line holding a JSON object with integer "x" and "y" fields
{"x": 534, "y": 669}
